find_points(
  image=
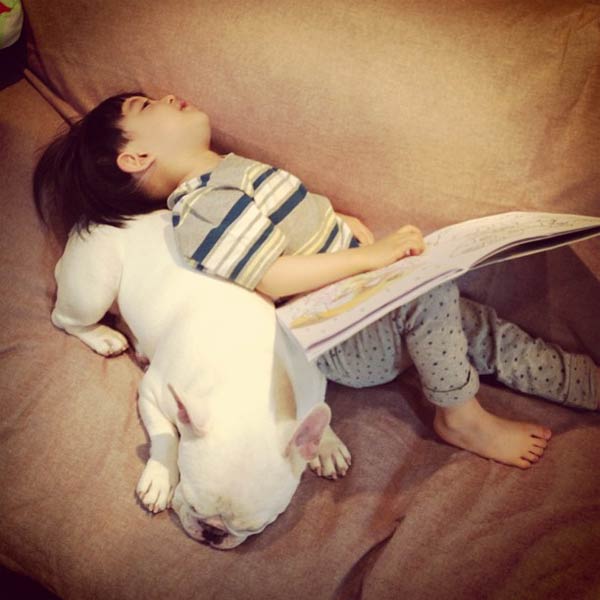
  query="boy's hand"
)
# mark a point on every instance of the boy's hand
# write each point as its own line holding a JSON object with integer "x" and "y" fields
{"x": 406, "y": 241}
{"x": 359, "y": 230}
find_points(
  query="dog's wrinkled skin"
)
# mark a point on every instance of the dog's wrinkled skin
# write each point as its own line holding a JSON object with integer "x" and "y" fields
{"x": 218, "y": 398}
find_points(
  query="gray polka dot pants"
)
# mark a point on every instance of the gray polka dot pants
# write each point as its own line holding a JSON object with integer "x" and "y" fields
{"x": 451, "y": 340}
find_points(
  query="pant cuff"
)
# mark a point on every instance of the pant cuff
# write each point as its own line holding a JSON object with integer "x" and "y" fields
{"x": 581, "y": 389}
{"x": 454, "y": 396}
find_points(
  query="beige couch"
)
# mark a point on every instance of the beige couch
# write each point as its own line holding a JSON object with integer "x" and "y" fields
{"x": 400, "y": 111}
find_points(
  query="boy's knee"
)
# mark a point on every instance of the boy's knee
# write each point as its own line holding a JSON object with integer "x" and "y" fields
{"x": 441, "y": 304}
{"x": 447, "y": 292}
{"x": 443, "y": 297}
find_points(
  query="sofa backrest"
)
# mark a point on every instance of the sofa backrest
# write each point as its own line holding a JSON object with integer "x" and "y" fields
{"x": 424, "y": 112}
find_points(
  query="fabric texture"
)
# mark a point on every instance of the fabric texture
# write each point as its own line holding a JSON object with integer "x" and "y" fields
{"x": 399, "y": 112}
{"x": 236, "y": 221}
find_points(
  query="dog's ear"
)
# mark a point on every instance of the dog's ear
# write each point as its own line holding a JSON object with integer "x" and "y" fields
{"x": 196, "y": 422}
{"x": 307, "y": 436}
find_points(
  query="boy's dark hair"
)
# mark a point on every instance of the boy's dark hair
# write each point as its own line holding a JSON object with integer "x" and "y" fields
{"x": 77, "y": 180}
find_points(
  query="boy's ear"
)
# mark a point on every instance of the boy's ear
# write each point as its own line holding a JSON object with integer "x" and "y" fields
{"x": 132, "y": 162}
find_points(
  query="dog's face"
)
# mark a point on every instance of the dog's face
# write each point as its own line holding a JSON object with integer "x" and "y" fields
{"x": 236, "y": 480}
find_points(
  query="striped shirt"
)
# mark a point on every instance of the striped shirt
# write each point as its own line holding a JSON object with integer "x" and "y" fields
{"x": 237, "y": 220}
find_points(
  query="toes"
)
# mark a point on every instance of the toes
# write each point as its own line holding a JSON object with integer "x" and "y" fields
{"x": 537, "y": 451}
{"x": 522, "y": 463}
{"x": 534, "y": 450}
{"x": 345, "y": 455}
{"x": 156, "y": 486}
{"x": 341, "y": 465}
{"x": 154, "y": 499}
{"x": 114, "y": 352}
{"x": 112, "y": 347}
{"x": 315, "y": 466}
{"x": 329, "y": 469}
{"x": 531, "y": 456}
{"x": 105, "y": 341}
{"x": 331, "y": 465}
{"x": 542, "y": 433}
{"x": 116, "y": 345}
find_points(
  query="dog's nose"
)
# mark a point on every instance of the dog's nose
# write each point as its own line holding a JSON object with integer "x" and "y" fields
{"x": 211, "y": 534}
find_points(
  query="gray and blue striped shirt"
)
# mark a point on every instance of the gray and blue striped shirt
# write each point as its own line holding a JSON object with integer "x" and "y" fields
{"x": 237, "y": 220}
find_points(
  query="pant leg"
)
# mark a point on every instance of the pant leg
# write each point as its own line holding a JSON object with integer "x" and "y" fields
{"x": 524, "y": 363}
{"x": 427, "y": 332}
{"x": 431, "y": 327}
{"x": 373, "y": 356}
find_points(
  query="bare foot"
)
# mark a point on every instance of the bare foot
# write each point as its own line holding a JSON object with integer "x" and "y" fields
{"x": 471, "y": 427}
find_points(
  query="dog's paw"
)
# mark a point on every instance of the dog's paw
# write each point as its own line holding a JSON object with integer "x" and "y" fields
{"x": 156, "y": 486}
{"x": 333, "y": 457}
{"x": 101, "y": 339}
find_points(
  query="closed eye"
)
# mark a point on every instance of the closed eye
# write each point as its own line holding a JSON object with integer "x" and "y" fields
{"x": 146, "y": 104}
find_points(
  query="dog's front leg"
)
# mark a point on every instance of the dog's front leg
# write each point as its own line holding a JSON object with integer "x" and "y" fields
{"x": 88, "y": 276}
{"x": 157, "y": 484}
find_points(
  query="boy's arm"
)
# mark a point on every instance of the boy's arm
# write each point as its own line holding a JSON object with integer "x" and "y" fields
{"x": 290, "y": 275}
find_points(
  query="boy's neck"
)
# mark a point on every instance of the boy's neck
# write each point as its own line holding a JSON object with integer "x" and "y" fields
{"x": 204, "y": 163}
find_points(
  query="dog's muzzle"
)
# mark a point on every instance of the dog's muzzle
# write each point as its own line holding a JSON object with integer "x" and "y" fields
{"x": 212, "y": 535}
{"x": 217, "y": 536}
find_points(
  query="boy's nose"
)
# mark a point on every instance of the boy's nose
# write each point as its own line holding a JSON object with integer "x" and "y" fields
{"x": 168, "y": 99}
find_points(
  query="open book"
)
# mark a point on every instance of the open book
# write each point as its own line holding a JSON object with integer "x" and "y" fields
{"x": 326, "y": 317}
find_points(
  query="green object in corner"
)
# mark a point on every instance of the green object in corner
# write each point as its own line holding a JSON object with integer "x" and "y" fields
{"x": 11, "y": 22}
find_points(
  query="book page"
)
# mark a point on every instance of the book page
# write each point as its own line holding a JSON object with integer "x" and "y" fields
{"x": 321, "y": 319}
{"x": 472, "y": 242}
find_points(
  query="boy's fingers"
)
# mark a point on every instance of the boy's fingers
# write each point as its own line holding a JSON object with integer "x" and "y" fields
{"x": 410, "y": 229}
{"x": 413, "y": 246}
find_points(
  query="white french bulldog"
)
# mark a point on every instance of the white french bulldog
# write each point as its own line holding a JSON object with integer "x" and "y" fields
{"x": 221, "y": 396}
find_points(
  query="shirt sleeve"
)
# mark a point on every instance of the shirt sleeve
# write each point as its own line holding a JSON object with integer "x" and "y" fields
{"x": 222, "y": 232}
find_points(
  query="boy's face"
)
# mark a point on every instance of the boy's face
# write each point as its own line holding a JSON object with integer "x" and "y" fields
{"x": 167, "y": 129}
